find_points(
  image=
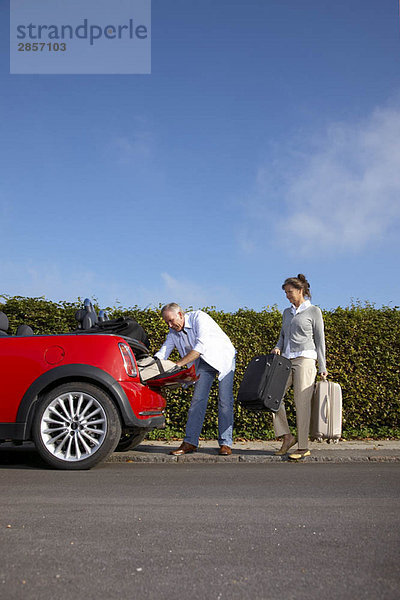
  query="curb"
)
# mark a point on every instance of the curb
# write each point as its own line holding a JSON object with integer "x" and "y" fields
{"x": 144, "y": 457}
{"x": 252, "y": 452}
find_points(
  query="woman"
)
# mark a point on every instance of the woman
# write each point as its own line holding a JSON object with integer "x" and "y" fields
{"x": 302, "y": 340}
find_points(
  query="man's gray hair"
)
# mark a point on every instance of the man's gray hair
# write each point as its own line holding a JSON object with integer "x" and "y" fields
{"x": 172, "y": 306}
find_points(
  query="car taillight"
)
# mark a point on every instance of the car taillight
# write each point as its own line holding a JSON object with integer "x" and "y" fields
{"x": 129, "y": 362}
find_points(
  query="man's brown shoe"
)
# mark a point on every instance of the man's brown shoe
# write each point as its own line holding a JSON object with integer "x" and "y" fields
{"x": 225, "y": 451}
{"x": 184, "y": 448}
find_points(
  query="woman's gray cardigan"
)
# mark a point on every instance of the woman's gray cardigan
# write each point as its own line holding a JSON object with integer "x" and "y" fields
{"x": 305, "y": 332}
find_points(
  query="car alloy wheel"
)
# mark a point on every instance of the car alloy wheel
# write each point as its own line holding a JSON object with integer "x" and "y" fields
{"x": 76, "y": 426}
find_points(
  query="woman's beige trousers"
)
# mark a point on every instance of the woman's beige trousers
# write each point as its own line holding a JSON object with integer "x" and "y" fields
{"x": 302, "y": 378}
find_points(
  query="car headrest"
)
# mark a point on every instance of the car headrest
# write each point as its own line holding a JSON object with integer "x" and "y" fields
{"x": 3, "y": 323}
{"x": 103, "y": 316}
{"x": 86, "y": 316}
{"x": 24, "y": 330}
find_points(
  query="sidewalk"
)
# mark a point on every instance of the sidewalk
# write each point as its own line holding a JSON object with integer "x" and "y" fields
{"x": 263, "y": 452}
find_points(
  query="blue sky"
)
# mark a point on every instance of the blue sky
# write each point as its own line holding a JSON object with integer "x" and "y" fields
{"x": 265, "y": 142}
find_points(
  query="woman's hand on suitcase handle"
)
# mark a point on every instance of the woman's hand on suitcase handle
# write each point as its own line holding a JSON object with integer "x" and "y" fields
{"x": 276, "y": 351}
{"x": 324, "y": 375}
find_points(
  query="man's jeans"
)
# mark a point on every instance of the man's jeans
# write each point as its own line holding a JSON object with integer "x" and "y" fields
{"x": 198, "y": 405}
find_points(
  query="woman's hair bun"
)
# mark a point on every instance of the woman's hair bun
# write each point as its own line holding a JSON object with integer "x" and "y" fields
{"x": 300, "y": 283}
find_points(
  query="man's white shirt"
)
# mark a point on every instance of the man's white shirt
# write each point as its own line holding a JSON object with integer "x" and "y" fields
{"x": 202, "y": 334}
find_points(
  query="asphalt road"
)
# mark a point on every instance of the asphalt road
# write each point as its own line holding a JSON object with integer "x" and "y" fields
{"x": 209, "y": 531}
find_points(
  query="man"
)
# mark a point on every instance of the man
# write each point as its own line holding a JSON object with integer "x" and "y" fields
{"x": 200, "y": 340}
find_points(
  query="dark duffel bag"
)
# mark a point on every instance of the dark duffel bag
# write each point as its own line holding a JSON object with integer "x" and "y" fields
{"x": 264, "y": 382}
{"x": 90, "y": 322}
{"x": 124, "y": 326}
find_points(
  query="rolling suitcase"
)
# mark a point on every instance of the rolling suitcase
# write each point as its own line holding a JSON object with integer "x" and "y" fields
{"x": 264, "y": 382}
{"x": 326, "y": 412}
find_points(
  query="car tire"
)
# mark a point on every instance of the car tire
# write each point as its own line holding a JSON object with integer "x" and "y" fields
{"x": 132, "y": 439}
{"x": 75, "y": 426}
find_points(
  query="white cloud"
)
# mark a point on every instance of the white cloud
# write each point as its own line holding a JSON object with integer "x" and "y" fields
{"x": 58, "y": 282}
{"x": 185, "y": 292}
{"x": 343, "y": 194}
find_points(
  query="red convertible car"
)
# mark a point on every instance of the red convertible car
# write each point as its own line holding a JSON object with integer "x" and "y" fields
{"x": 78, "y": 396}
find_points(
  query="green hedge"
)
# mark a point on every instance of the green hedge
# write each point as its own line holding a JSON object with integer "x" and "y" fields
{"x": 363, "y": 355}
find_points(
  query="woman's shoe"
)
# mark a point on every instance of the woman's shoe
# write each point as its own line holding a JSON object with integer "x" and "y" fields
{"x": 299, "y": 454}
{"x": 286, "y": 445}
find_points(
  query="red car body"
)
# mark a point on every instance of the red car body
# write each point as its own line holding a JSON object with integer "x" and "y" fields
{"x": 38, "y": 372}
